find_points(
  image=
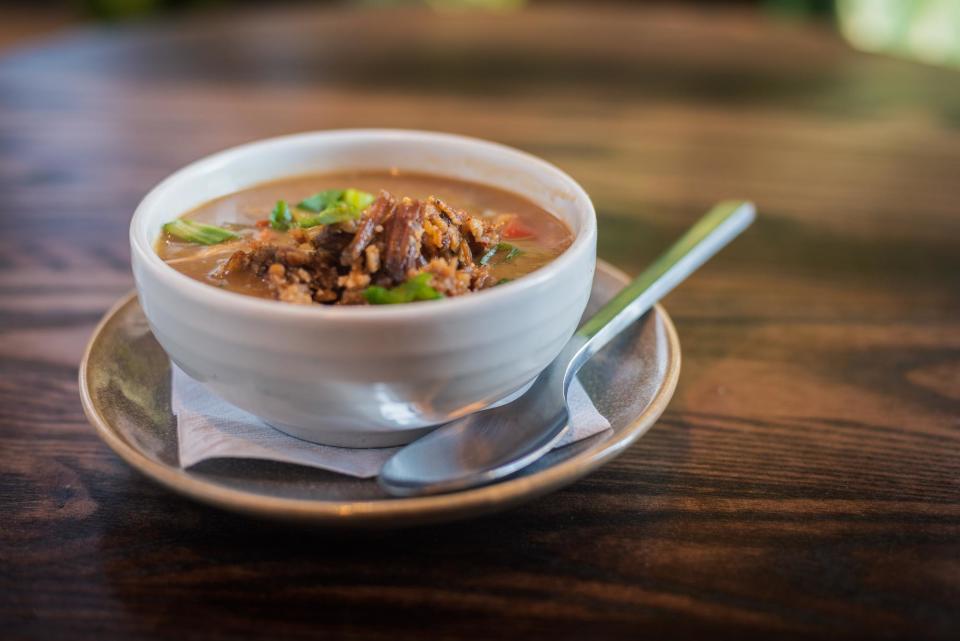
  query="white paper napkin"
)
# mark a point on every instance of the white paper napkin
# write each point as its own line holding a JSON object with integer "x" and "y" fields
{"x": 209, "y": 427}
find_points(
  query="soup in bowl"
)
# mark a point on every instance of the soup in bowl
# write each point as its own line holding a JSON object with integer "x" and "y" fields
{"x": 310, "y": 240}
{"x": 358, "y": 287}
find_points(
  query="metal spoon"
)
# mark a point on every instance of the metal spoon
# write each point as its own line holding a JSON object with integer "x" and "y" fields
{"x": 489, "y": 445}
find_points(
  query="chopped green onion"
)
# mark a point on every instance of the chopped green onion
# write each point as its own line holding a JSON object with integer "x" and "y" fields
{"x": 336, "y": 214}
{"x": 194, "y": 232}
{"x": 333, "y": 206}
{"x": 281, "y": 216}
{"x": 512, "y": 251}
{"x": 417, "y": 288}
{"x": 487, "y": 256}
{"x": 318, "y": 202}
{"x": 502, "y": 281}
{"x": 356, "y": 199}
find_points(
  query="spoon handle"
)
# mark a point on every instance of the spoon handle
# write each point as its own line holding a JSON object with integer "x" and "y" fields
{"x": 709, "y": 235}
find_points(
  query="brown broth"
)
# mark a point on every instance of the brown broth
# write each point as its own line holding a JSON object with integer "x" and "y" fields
{"x": 241, "y": 210}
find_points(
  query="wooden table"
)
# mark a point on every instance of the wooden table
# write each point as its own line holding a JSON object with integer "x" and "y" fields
{"x": 802, "y": 484}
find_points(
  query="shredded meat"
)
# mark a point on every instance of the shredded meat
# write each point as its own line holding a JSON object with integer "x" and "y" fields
{"x": 404, "y": 235}
{"x": 392, "y": 241}
{"x": 381, "y": 208}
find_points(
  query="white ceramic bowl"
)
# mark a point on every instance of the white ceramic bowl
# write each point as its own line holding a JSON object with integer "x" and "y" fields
{"x": 365, "y": 376}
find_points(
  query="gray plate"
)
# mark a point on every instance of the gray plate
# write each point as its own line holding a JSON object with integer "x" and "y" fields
{"x": 125, "y": 389}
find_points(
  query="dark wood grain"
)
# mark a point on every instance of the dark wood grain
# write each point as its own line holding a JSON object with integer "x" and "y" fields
{"x": 804, "y": 481}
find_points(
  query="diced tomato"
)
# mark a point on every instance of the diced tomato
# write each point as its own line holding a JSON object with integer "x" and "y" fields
{"x": 262, "y": 224}
{"x": 516, "y": 229}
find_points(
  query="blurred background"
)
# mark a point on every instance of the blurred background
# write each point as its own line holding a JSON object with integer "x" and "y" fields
{"x": 926, "y": 31}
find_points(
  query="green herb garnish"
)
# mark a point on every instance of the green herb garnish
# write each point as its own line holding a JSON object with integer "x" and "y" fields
{"x": 417, "y": 288}
{"x": 356, "y": 199}
{"x": 281, "y": 217}
{"x": 194, "y": 232}
{"x": 502, "y": 281}
{"x": 333, "y": 206}
{"x": 338, "y": 213}
{"x": 318, "y": 202}
{"x": 509, "y": 253}
{"x": 512, "y": 251}
{"x": 487, "y": 256}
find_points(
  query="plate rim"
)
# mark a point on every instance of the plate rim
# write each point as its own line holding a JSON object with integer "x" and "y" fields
{"x": 384, "y": 512}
